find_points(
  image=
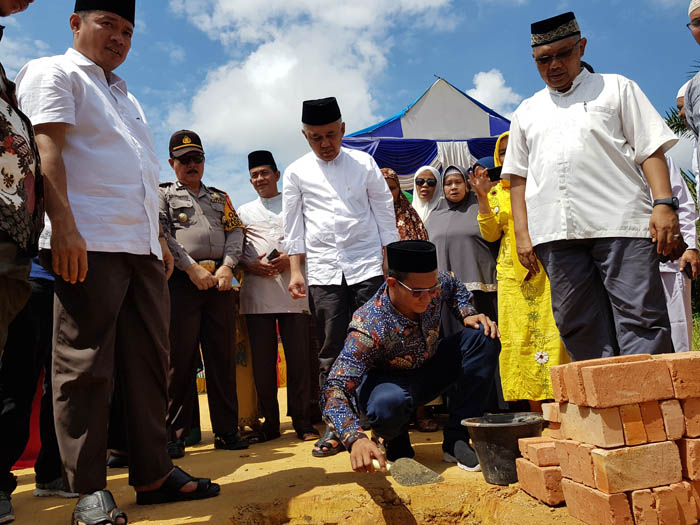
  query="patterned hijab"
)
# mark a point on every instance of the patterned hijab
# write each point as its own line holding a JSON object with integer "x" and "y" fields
{"x": 407, "y": 220}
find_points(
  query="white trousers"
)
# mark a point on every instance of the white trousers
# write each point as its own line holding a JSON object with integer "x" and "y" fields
{"x": 678, "y": 302}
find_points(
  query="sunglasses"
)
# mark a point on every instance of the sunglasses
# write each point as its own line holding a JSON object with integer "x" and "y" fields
{"x": 430, "y": 182}
{"x": 419, "y": 292}
{"x": 197, "y": 158}
{"x": 548, "y": 59}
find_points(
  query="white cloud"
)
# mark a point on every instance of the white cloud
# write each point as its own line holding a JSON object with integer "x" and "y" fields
{"x": 17, "y": 51}
{"x": 286, "y": 51}
{"x": 175, "y": 52}
{"x": 491, "y": 90}
{"x": 682, "y": 153}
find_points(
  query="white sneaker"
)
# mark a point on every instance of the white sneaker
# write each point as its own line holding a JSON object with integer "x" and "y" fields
{"x": 464, "y": 456}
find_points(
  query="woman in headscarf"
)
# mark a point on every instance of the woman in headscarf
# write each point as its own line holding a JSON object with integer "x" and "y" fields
{"x": 408, "y": 222}
{"x": 425, "y": 191}
{"x": 454, "y": 229}
{"x": 530, "y": 342}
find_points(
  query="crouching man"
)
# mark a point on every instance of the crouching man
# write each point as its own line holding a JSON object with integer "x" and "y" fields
{"x": 394, "y": 361}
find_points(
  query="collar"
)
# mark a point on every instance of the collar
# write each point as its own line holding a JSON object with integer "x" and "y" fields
{"x": 270, "y": 200}
{"x": 81, "y": 60}
{"x": 580, "y": 79}
{"x": 333, "y": 162}
{"x": 202, "y": 187}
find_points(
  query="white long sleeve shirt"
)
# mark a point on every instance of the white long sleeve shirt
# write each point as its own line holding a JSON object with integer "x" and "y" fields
{"x": 687, "y": 213}
{"x": 340, "y": 214}
{"x": 581, "y": 153}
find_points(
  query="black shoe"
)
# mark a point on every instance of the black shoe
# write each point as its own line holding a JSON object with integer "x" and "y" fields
{"x": 462, "y": 454}
{"x": 230, "y": 441}
{"x": 399, "y": 447}
{"x": 118, "y": 460}
{"x": 6, "y": 513}
{"x": 176, "y": 449}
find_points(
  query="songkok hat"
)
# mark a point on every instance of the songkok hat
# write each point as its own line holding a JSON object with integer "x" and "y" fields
{"x": 261, "y": 158}
{"x": 555, "y": 29}
{"x": 183, "y": 142}
{"x": 486, "y": 162}
{"x": 694, "y": 4}
{"x": 684, "y": 88}
{"x": 320, "y": 112}
{"x": 123, "y": 8}
{"x": 412, "y": 256}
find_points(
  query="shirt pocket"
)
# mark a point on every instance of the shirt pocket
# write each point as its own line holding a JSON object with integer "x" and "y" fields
{"x": 182, "y": 212}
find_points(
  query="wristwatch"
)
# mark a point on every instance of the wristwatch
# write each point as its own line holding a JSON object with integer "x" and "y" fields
{"x": 668, "y": 201}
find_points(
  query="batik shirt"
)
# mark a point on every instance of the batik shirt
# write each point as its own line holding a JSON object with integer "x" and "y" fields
{"x": 382, "y": 338}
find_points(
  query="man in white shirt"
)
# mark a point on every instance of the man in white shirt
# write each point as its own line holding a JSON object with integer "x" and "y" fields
{"x": 111, "y": 292}
{"x": 339, "y": 213}
{"x": 266, "y": 303}
{"x": 691, "y": 90}
{"x": 582, "y": 157}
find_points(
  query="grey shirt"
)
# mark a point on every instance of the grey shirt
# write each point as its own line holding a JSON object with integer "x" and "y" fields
{"x": 196, "y": 225}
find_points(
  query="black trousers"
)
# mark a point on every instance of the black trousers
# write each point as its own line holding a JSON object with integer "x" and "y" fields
{"x": 294, "y": 331}
{"x": 27, "y": 353}
{"x": 333, "y": 306}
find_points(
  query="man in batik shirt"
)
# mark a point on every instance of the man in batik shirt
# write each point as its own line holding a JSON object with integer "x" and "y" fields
{"x": 394, "y": 360}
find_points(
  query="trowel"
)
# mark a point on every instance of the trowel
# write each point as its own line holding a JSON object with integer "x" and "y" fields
{"x": 409, "y": 473}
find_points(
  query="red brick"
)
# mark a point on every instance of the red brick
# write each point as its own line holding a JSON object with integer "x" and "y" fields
{"x": 632, "y": 425}
{"x": 685, "y": 373}
{"x": 674, "y": 422}
{"x": 690, "y": 458}
{"x": 573, "y": 378}
{"x": 691, "y": 413}
{"x": 633, "y": 468}
{"x": 575, "y": 461}
{"x": 626, "y": 383}
{"x": 543, "y": 483}
{"x": 543, "y": 454}
{"x": 558, "y": 386}
{"x": 596, "y": 426}
{"x": 644, "y": 507}
{"x": 653, "y": 421}
{"x": 550, "y": 412}
{"x": 675, "y": 505}
{"x": 524, "y": 442}
{"x": 594, "y": 507}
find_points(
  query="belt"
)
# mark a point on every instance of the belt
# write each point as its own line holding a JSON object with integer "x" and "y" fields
{"x": 210, "y": 264}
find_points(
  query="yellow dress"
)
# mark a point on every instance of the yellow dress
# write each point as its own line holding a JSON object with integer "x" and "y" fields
{"x": 530, "y": 342}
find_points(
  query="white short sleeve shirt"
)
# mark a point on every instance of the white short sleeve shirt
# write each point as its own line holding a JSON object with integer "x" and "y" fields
{"x": 111, "y": 164}
{"x": 581, "y": 153}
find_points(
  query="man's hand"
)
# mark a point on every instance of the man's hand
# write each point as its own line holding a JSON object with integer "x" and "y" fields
{"x": 361, "y": 454}
{"x": 224, "y": 278}
{"x": 297, "y": 286}
{"x": 664, "y": 228}
{"x": 481, "y": 320}
{"x": 69, "y": 254}
{"x": 168, "y": 260}
{"x": 693, "y": 258}
{"x": 260, "y": 267}
{"x": 201, "y": 278}
{"x": 526, "y": 256}
{"x": 281, "y": 263}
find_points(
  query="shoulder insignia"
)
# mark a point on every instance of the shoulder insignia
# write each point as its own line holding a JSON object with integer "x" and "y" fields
{"x": 165, "y": 184}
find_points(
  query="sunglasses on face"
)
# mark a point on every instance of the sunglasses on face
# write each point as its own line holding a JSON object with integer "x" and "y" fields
{"x": 694, "y": 24}
{"x": 430, "y": 182}
{"x": 420, "y": 292}
{"x": 548, "y": 59}
{"x": 197, "y": 158}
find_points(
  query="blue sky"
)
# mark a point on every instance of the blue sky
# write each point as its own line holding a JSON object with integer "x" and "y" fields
{"x": 236, "y": 71}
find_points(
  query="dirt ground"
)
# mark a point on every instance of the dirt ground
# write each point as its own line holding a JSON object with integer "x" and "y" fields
{"x": 280, "y": 482}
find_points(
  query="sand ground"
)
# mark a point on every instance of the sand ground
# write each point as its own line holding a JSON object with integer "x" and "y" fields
{"x": 280, "y": 482}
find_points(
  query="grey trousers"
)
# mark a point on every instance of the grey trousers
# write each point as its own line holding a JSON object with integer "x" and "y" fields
{"x": 14, "y": 283}
{"x": 607, "y": 296}
{"x": 114, "y": 323}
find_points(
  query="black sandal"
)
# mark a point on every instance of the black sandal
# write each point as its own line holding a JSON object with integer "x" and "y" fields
{"x": 325, "y": 442}
{"x": 260, "y": 436}
{"x": 307, "y": 433}
{"x": 98, "y": 508}
{"x": 170, "y": 489}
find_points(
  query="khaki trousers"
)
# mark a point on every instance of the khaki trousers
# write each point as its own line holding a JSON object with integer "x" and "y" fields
{"x": 116, "y": 322}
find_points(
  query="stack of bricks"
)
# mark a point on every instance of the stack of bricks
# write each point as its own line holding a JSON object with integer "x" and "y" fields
{"x": 628, "y": 450}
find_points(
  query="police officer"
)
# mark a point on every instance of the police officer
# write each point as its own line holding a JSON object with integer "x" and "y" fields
{"x": 206, "y": 239}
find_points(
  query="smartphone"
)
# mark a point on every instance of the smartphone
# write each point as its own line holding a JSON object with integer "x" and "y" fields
{"x": 273, "y": 255}
{"x": 495, "y": 173}
{"x": 688, "y": 270}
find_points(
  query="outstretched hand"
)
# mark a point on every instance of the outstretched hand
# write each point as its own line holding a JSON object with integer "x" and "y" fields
{"x": 362, "y": 452}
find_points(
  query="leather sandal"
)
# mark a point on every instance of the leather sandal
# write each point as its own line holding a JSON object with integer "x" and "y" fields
{"x": 97, "y": 508}
{"x": 325, "y": 443}
{"x": 307, "y": 433}
{"x": 170, "y": 491}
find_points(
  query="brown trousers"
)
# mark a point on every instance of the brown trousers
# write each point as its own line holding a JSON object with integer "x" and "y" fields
{"x": 203, "y": 318}
{"x": 116, "y": 322}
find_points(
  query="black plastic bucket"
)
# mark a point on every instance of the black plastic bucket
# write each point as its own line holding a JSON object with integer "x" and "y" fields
{"x": 495, "y": 439}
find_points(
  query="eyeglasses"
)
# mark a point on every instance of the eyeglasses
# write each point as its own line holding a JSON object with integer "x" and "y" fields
{"x": 548, "y": 59}
{"x": 419, "y": 292}
{"x": 197, "y": 158}
{"x": 694, "y": 24}
{"x": 430, "y": 182}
